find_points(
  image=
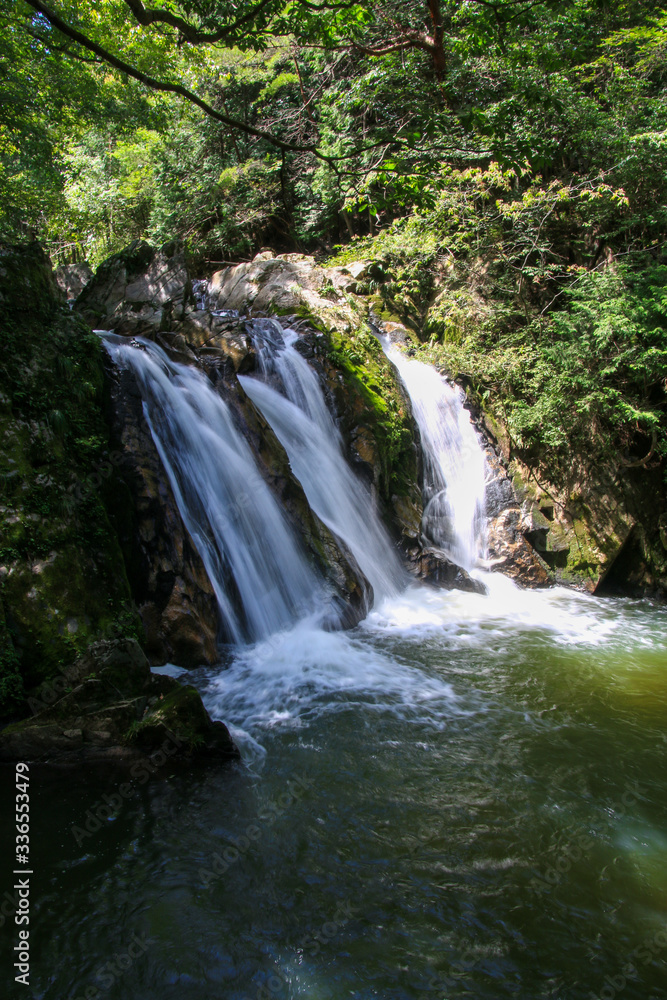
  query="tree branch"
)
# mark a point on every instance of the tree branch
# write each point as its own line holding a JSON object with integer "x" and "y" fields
{"x": 192, "y": 34}
{"x": 159, "y": 85}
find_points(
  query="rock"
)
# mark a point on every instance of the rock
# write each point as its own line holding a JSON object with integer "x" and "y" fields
{"x": 137, "y": 292}
{"x": 176, "y": 599}
{"x": 433, "y": 566}
{"x": 409, "y": 515}
{"x": 114, "y": 708}
{"x": 511, "y": 554}
{"x": 181, "y": 715}
{"x": 28, "y": 287}
{"x": 534, "y": 527}
{"x": 72, "y": 279}
{"x": 64, "y": 580}
{"x": 287, "y": 284}
{"x": 500, "y": 494}
{"x": 601, "y": 525}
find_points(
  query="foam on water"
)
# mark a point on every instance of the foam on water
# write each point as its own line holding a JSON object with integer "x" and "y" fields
{"x": 568, "y": 617}
{"x": 304, "y": 671}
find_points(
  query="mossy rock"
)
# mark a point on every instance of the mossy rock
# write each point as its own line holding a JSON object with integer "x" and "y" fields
{"x": 27, "y": 283}
{"x": 62, "y": 571}
{"x": 181, "y": 715}
{"x": 108, "y": 705}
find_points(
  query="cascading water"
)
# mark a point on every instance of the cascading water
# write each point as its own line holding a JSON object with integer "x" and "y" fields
{"x": 261, "y": 578}
{"x": 305, "y": 428}
{"x": 454, "y": 464}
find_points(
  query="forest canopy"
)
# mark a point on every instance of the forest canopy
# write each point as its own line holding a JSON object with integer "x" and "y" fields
{"x": 228, "y": 125}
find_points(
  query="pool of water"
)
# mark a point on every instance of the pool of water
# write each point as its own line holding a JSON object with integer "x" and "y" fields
{"x": 464, "y": 797}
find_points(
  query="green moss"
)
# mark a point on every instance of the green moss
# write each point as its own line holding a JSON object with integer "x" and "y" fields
{"x": 65, "y": 579}
{"x": 181, "y": 712}
{"x": 374, "y": 401}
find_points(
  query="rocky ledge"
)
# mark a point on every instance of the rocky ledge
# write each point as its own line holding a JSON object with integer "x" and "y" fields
{"x": 108, "y": 706}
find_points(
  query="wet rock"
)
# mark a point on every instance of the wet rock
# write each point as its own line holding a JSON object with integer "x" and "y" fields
{"x": 511, "y": 554}
{"x": 181, "y": 715}
{"x": 534, "y": 527}
{"x": 409, "y": 515}
{"x": 171, "y": 587}
{"x": 434, "y": 567}
{"x": 114, "y": 708}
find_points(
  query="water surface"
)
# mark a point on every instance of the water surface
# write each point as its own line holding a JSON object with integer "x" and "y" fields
{"x": 463, "y": 797}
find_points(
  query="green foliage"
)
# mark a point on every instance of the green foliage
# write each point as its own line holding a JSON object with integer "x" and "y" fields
{"x": 590, "y": 380}
{"x": 12, "y": 693}
{"x": 502, "y": 164}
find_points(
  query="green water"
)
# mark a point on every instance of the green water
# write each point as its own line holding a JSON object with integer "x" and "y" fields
{"x": 466, "y": 797}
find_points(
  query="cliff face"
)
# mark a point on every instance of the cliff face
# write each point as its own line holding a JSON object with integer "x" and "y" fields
{"x": 62, "y": 573}
{"x": 597, "y": 517}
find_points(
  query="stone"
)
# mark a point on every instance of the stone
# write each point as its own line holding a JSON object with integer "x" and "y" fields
{"x": 534, "y": 527}
{"x": 177, "y": 602}
{"x": 409, "y": 515}
{"x": 181, "y": 716}
{"x": 511, "y": 554}
{"x": 137, "y": 292}
{"x": 433, "y": 566}
{"x": 72, "y": 279}
{"x": 95, "y": 721}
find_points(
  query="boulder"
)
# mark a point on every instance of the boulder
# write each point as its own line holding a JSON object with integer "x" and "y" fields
{"x": 287, "y": 284}
{"x": 511, "y": 554}
{"x": 72, "y": 279}
{"x": 28, "y": 287}
{"x": 138, "y": 291}
{"x": 112, "y": 708}
{"x": 434, "y": 567}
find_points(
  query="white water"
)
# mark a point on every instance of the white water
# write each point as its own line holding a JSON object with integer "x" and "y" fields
{"x": 420, "y": 656}
{"x": 261, "y": 577}
{"x": 454, "y": 465}
{"x": 305, "y": 428}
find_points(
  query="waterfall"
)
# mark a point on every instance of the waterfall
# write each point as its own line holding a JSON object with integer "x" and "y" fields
{"x": 303, "y": 425}
{"x": 454, "y": 464}
{"x": 262, "y": 579}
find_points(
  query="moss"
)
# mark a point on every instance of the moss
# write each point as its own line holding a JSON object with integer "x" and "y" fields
{"x": 65, "y": 579}
{"x": 12, "y": 691}
{"x": 27, "y": 283}
{"x": 373, "y": 401}
{"x": 181, "y": 713}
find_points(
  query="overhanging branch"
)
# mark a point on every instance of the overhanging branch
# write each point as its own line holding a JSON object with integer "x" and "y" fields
{"x": 192, "y": 34}
{"x": 169, "y": 88}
